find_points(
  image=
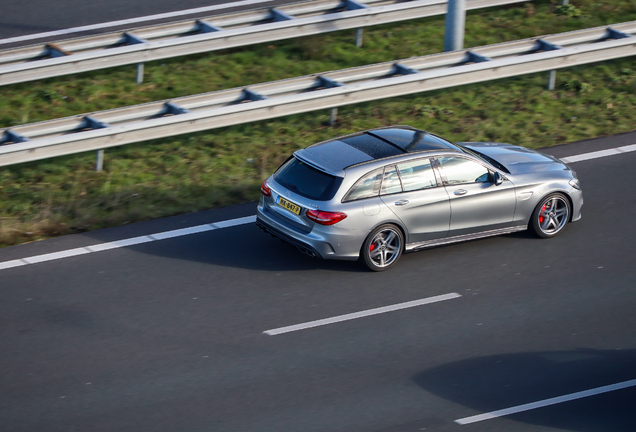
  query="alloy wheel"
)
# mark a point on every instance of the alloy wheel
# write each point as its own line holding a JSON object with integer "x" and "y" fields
{"x": 385, "y": 247}
{"x": 552, "y": 215}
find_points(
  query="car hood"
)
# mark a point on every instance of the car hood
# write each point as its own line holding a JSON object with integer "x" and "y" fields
{"x": 518, "y": 160}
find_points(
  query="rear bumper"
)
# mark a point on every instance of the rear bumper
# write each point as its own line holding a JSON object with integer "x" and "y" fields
{"x": 305, "y": 248}
{"x": 315, "y": 243}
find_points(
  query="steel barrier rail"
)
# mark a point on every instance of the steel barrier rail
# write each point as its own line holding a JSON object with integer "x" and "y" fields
{"x": 116, "y": 127}
{"x": 213, "y": 33}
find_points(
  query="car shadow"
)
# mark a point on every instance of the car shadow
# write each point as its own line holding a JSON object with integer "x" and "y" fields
{"x": 246, "y": 246}
{"x": 491, "y": 383}
{"x": 249, "y": 247}
{"x": 242, "y": 246}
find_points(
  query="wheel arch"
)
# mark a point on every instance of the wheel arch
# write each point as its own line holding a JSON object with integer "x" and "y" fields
{"x": 554, "y": 191}
{"x": 391, "y": 222}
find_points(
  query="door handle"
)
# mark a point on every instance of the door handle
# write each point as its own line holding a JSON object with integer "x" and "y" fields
{"x": 460, "y": 192}
{"x": 401, "y": 202}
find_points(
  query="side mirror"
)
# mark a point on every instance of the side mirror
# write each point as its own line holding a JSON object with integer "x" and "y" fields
{"x": 498, "y": 179}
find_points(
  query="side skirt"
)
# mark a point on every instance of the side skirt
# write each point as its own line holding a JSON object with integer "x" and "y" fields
{"x": 447, "y": 240}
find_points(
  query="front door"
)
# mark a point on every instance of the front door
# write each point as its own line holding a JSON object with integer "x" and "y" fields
{"x": 477, "y": 203}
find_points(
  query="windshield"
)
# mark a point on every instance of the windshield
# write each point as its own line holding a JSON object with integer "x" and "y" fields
{"x": 483, "y": 157}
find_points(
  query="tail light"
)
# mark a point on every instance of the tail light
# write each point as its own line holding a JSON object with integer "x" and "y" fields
{"x": 265, "y": 190}
{"x": 325, "y": 218}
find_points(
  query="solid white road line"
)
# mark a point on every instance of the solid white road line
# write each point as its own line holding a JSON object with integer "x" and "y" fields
{"x": 600, "y": 154}
{"x": 361, "y": 314}
{"x": 228, "y": 223}
{"x": 181, "y": 232}
{"x": 126, "y": 242}
{"x": 131, "y": 21}
{"x": 546, "y": 402}
{"x": 235, "y": 222}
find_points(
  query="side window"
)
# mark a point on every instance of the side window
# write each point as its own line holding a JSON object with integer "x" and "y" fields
{"x": 459, "y": 170}
{"x": 417, "y": 175}
{"x": 368, "y": 186}
{"x": 391, "y": 182}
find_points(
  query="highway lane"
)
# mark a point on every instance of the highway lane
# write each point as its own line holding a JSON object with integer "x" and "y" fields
{"x": 40, "y": 16}
{"x": 168, "y": 336}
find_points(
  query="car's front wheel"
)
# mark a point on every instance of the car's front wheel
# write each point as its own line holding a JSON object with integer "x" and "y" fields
{"x": 382, "y": 248}
{"x": 550, "y": 216}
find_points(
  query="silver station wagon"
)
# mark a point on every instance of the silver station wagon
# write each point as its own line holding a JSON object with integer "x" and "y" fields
{"x": 374, "y": 195}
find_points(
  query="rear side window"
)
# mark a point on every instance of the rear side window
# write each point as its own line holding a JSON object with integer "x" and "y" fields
{"x": 368, "y": 186}
{"x": 307, "y": 181}
{"x": 391, "y": 183}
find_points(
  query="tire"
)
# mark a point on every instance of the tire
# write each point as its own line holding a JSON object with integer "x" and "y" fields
{"x": 382, "y": 248}
{"x": 550, "y": 216}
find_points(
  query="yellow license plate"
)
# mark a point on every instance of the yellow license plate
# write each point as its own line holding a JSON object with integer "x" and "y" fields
{"x": 288, "y": 205}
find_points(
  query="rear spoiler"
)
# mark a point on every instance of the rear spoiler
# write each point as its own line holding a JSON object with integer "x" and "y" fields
{"x": 318, "y": 163}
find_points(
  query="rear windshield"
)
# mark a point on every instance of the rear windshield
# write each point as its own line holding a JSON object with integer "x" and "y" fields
{"x": 307, "y": 181}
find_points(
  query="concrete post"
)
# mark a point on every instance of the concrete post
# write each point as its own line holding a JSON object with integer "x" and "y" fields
{"x": 99, "y": 160}
{"x": 551, "y": 80}
{"x": 333, "y": 116}
{"x": 140, "y": 73}
{"x": 455, "y": 23}
{"x": 359, "y": 37}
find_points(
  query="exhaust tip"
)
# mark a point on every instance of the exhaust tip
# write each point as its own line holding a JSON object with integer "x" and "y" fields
{"x": 307, "y": 252}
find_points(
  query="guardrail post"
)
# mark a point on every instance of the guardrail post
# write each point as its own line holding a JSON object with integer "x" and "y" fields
{"x": 140, "y": 73}
{"x": 355, "y": 5}
{"x": 359, "y": 37}
{"x": 551, "y": 80}
{"x": 333, "y": 116}
{"x": 99, "y": 160}
{"x": 455, "y": 22}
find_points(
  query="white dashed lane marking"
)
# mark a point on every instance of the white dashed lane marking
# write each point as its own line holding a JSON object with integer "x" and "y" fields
{"x": 546, "y": 402}
{"x": 361, "y": 314}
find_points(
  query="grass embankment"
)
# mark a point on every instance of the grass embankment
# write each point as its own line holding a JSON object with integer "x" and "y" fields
{"x": 223, "y": 167}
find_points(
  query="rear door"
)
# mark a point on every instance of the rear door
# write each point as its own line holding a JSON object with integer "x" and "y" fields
{"x": 477, "y": 204}
{"x": 416, "y": 195}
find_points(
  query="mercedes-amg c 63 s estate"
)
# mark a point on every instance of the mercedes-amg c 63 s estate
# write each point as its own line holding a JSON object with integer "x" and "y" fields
{"x": 374, "y": 195}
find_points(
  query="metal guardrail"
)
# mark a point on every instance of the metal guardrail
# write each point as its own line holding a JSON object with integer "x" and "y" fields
{"x": 116, "y": 127}
{"x": 213, "y": 33}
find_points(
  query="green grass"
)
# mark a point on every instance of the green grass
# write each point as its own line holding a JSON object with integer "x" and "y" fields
{"x": 225, "y": 166}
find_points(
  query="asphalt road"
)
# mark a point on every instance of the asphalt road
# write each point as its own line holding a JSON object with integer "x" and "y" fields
{"x": 40, "y": 16}
{"x": 168, "y": 336}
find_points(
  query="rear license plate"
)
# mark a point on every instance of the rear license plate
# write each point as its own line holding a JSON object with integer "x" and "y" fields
{"x": 288, "y": 205}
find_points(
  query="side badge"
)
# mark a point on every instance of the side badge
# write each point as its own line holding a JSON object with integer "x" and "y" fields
{"x": 524, "y": 196}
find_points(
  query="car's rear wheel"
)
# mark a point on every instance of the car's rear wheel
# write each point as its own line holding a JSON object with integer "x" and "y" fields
{"x": 382, "y": 248}
{"x": 550, "y": 216}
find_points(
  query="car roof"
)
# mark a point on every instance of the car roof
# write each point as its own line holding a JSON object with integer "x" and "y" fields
{"x": 344, "y": 152}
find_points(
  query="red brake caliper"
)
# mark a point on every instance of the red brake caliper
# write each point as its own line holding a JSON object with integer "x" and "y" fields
{"x": 371, "y": 247}
{"x": 541, "y": 214}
